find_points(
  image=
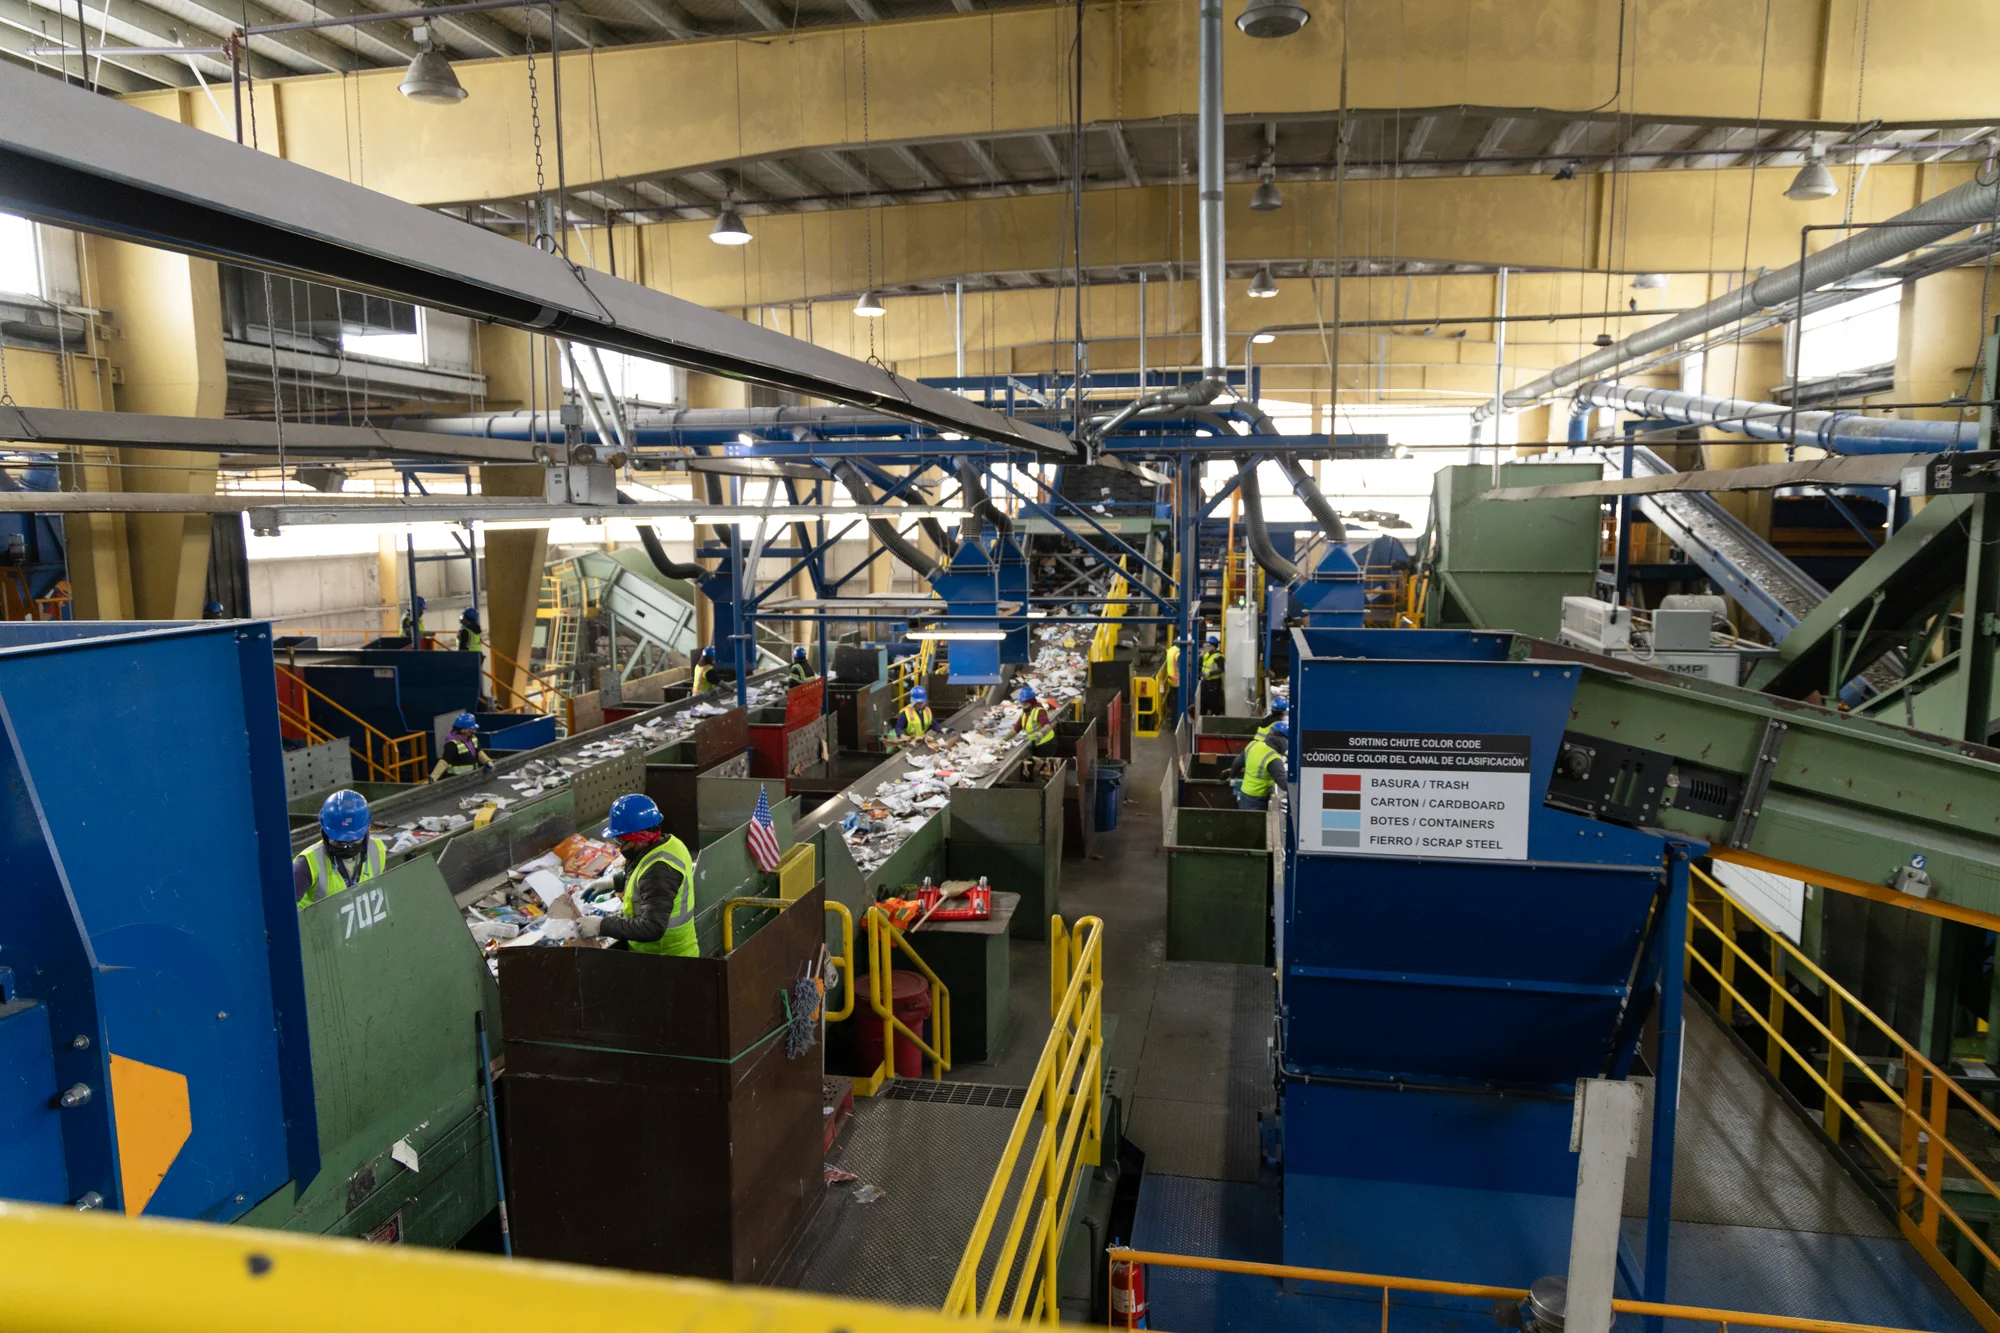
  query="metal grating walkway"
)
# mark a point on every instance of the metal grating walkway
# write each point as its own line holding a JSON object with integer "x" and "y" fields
{"x": 1205, "y": 1071}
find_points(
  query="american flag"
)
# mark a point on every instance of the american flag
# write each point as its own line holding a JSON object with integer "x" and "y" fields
{"x": 763, "y": 834}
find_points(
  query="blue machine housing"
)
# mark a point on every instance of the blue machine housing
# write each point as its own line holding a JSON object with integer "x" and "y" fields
{"x": 970, "y": 588}
{"x": 150, "y": 914}
{"x": 1438, "y": 1004}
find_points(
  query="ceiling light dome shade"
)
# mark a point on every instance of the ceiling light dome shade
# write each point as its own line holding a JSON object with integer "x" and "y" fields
{"x": 870, "y": 306}
{"x": 1814, "y": 181}
{"x": 1267, "y": 199}
{"x": 729, "y": 228}
{"x": 1649, "y": 282}
{"x": 1262, "y": 285}
{"x": 1272, "y": 18}
{"x": 430, "y": 78}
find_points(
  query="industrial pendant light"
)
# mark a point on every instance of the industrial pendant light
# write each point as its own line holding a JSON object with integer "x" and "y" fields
{"x": 1271, "y": 18}
{"x": 1649, "y": 282}
{"x": 430, "y": 78}
{"x": 1267, "y": 199}
{"x": 729, "y": 228}
{"x": 1814, "y": 181}
{"x": 870, "y": 306}
{"x": 1261, "y": 285}
{"x": 1262, "y": 339}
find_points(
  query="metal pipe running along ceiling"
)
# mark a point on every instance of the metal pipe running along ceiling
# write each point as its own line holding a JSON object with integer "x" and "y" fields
{"x": 1926, "y": 224}
{"x": 1835, "y": 432}
{"x": 71, "y": 158}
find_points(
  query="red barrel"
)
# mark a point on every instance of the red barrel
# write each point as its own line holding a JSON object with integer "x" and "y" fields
{"x": 910, "y": 1001}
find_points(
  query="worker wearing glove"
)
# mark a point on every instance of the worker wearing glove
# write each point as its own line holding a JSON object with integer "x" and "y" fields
{"x": 658, "y": 887}
{"x": 1262, "y": 768}
{"x": 344, "y": 856}
{"x": 462, "y": 752}
{"x": 914, "y": 720}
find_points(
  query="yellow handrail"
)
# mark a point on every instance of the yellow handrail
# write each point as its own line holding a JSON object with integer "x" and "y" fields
{"x": 1118, "y": 1254}
{"x": 1104, "y": 643}
{"x": 842, "y": 962}
{"x": 1065, "y": 1101}
{"x": 883, "y": 940}
{"x": 1922, "y": 1113}
{"x": 565, "y": 704}
{"x": 393, "y": 762}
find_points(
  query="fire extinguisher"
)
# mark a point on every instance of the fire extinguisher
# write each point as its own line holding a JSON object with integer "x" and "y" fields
{"x": 1128, "y": 1295}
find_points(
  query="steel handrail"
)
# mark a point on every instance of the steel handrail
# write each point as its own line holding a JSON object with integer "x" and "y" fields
{"x": 883, "y": 941}
{"x": 1068, "y": 1082}
{"x": 392, "y": 747}
{"x": 1119, "y": 1254}
{"x": 843, "y": 962}
{"x": 1920, "y": 1127}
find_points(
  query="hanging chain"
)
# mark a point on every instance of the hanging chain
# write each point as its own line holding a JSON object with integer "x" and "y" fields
{"x": 6, "y": 389}
{"x": 542, "y": 240}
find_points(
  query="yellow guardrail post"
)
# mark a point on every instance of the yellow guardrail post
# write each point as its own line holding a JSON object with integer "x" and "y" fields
{"x": 843, "y": 962}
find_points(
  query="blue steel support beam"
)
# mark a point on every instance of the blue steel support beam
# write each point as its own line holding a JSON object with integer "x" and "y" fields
{"x": 1667, "y": 1080}
{"x": 1187, "y": 486}
{"x": 1034, "y": 509}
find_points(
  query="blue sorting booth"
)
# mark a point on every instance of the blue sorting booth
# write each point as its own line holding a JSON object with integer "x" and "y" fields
{"x": 1453, "y": 955}
{"x": 154, "y": 1055}
{"x": 396, "y": 691}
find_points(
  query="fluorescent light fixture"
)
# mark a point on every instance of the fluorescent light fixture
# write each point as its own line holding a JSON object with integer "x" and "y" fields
{"x": 958, "y": 635}
{"x": 744, "y": 437}
{"x": 1261, "y": 338}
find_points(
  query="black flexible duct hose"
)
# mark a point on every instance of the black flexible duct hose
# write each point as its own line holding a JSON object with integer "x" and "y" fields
{"x": 691, "y": 571}
{"x": 885, "y": 531}
{"x": 935, "y": 531}
{"x": 1261, "y": 550}
{"x": 974, "y": 485}
{"x": 1303, "y": 487}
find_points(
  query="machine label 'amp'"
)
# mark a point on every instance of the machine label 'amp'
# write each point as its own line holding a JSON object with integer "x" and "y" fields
{"x": 1414, "y": 793}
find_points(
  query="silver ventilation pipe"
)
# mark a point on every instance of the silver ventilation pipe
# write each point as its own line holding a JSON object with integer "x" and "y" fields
{"x": 1208, "y": 138}
{"x": 1926, "y": 224}
{"x": 1835, "y": 432}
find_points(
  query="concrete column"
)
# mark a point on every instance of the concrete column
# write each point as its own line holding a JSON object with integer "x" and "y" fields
{"x": 169, "y": 357}
{"x": 1939, "y": 343}
{"x": 1749, "y": 369}
{"x": 515, "y": 558}
{"x": 1531, "y": 431}
{"x": 714, "y": 391}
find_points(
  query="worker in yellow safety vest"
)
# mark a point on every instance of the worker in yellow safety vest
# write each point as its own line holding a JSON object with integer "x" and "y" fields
{"x": 1211, "y": 676}
{"x": 801, "y": 669}
{"x": 1173, "y": 673}
{"x": 658, "y": 884}
{"x": 1038, "y": 722}
{"x": 344, "y": 856}
{"x": 470, "y": 640}
{"x": 1281, "y": 708}
{"x": 914, "y": 720}
{"x": 704, "y": 671}
{"x": 1262, "y": 766}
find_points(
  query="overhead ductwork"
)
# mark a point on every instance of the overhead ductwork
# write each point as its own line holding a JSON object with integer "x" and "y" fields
{"x": 1835, "y": 432}
{"x": 1307, "y": 490}
{"x": 692, "y": 571}
{"x": 1261, "y": 550}
{"x": 1926, "y": 224}
{"x": 899, "y": 546}
{"x": 1208, "y": 168}
{"x": 981, "y": 503}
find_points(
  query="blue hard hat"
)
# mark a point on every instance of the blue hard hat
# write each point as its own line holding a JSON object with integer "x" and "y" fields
{"x": 799, "y": 653}
{"x": 343, "y": 817}
{"x": 920, "y": 695}
{"x": 420, "y": 604}
{"x": 708, "y": 654}
{"x": 1281, "y": 728}
{"x": 470, "y": 615}
{"x": 1025, "y": 695}
{"x": 465, "y": 722}
{"x": 632, "y": 813}
{"x": 1215, "y": 638}
{"x": 1280, "y": 704}
{"x": 212, "y": 609}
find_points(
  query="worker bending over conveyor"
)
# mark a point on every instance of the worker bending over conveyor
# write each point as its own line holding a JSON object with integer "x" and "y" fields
{"x": 1281, "y": 707}
{"x": 914, "y": 720}
{"x": 1038, "y": 722}
{"x": 1211, "y": 677}
{"x": 1262, "y": 768}
{"x": 462, "y": 751}
{"x": 344, "y": 856}
{"x": 658, "y": 884}
{"x": 704, "y": 672}
{"x": 801, "y": 669}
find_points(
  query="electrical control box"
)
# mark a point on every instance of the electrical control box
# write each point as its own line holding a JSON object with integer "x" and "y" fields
{"x": 1601, "y": 627}
{"x": 1681, "y": 630}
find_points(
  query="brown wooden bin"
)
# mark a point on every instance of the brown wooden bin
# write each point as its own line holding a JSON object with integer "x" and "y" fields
{"x": 653, "y": 1122}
